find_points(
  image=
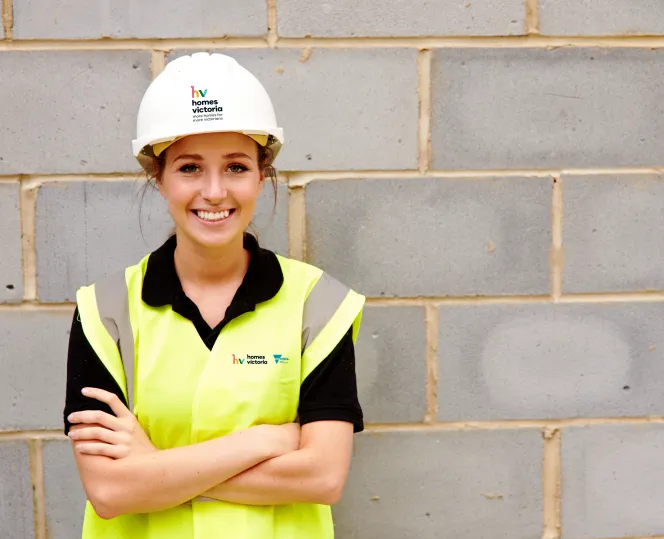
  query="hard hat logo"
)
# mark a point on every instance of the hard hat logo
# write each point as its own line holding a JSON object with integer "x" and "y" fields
{"x": 195, "y": 94}
{"x": 221, "y": 96}
{"x": 205, "y": 109}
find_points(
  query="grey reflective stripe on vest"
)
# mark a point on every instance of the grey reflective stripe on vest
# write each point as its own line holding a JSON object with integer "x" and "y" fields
{"x": 324, "y": 299}
{"x": 113, "y": 305}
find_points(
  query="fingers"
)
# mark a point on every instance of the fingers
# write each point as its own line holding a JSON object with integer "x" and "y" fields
{"x": 97, "y": 434}
{"x": 106, "y": 450}
{"x": 98, "y": 417}
{"x": 118, "y": 407}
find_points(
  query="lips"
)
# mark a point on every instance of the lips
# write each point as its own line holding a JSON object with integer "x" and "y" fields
{"x": 214, "y": 217}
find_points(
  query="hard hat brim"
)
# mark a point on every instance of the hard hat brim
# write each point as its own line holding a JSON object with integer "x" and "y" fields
{"x": 143, "y": 152}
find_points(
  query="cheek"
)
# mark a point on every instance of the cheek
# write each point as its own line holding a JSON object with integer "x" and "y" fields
{"x": 177, "y": 194}
{"x": 247, "y": 192}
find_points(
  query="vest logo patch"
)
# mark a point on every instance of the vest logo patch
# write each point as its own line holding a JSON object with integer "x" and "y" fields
{"x": 251, "y": 360}
{"x": 258, "y": 360}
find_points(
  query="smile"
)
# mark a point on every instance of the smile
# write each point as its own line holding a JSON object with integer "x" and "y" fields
{"x": 214, "y": 217}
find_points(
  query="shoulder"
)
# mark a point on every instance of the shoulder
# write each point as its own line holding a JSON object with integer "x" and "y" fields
{"x": 310, "y": 276}
{"x": 115, "y": 280}
{"x": 325, "y": 298}
{"x": 295, "y": 268}
{"x": 159, "y": 259}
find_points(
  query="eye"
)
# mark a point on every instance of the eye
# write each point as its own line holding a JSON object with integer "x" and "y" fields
{"x": 237, "y": 168}
{"x": 189, "y": 168}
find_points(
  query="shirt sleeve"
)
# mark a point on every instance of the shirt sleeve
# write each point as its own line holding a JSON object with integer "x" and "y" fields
{"x": 329, "y": 392}
{"x": 85, "y": 369}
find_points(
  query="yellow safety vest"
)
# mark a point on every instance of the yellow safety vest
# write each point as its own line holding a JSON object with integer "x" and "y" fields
{"x": 183, "y": 393}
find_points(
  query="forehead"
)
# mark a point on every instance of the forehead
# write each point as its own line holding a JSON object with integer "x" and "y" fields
{"x": 215, "y": 142}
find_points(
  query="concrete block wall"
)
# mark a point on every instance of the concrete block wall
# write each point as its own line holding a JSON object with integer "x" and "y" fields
{"x": 487, "y": 173}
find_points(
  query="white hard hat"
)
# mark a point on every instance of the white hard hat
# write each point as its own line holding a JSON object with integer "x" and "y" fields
{"x": 203, "y": 93}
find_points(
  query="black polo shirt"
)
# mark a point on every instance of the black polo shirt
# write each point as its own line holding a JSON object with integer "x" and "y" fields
{"x": 328, "y": 393}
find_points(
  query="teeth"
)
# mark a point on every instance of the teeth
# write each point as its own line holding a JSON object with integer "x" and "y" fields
{"x": 213, "y": 216}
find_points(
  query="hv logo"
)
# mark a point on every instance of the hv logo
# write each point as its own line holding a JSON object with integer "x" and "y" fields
{"x": 198, "y": 94}
{"x": 238, "y": 360}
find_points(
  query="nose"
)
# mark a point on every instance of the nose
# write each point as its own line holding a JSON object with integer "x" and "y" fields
{"x": 214, "y": 189}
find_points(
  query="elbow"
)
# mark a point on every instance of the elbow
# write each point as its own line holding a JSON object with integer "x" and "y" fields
{"x": 330, "y": 498}
{"x": 330, "y": 491}
{"x": 103, "y": 509}
{"x": 104, "y": 512}
{"x": 104, "y": 502}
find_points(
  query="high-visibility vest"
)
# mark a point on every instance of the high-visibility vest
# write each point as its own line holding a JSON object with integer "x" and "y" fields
{"x": 182, "y": 393}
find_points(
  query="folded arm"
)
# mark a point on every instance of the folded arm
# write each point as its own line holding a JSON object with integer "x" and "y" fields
{"x": 142, "y": 479}
{"x": 315, "y": 473}
{"x": 330, "y": 412}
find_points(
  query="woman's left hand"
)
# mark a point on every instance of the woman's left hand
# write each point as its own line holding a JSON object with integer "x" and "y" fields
{"x": 100, "y": 433}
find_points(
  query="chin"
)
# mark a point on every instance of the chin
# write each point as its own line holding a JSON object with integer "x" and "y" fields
{"x": 214, "y": 239}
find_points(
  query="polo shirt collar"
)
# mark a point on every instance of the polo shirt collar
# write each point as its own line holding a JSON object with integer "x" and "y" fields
{"x": 162, "y": 286}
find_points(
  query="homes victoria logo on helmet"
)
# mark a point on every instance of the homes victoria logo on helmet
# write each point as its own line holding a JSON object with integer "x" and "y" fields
{"x": 203, "y": 108}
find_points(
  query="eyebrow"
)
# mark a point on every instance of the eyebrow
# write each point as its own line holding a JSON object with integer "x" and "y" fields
{"x": 188, "y": 156}
{"x": 195, "y": 156}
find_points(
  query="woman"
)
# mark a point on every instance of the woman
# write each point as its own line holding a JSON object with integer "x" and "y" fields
{"x": 211, "y": 387}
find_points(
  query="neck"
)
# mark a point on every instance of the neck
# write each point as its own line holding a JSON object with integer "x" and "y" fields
{"x": 201, "y": 265}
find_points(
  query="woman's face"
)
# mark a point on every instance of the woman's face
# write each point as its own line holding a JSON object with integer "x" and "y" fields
{"x": 211, "y": 183}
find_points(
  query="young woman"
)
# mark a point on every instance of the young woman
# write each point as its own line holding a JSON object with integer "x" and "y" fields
{"x": 211, "y": 387}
